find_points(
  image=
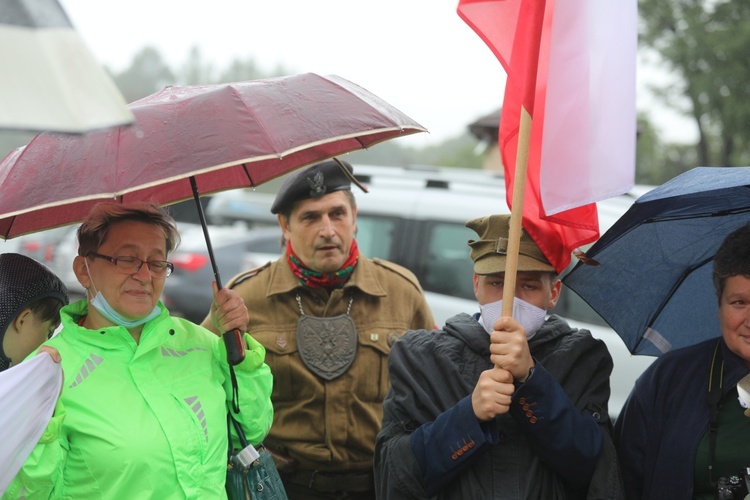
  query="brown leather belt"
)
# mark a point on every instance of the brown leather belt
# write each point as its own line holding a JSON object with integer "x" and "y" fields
{"x": 330, "y": 482}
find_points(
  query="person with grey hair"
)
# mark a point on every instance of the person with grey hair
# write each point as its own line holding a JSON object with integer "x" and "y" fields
{"x": 31, "y": 297}
{"x": 497, "y": 407}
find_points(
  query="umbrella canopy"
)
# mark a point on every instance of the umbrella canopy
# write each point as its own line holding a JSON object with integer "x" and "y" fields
{"x": 653, "y": 283}
{"x": 192, "y": 140}
{"x": 224, "y": 136}
{"x": 50, "y": 79}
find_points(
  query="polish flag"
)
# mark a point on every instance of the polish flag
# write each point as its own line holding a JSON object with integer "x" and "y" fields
{"x": 571, "y": 67}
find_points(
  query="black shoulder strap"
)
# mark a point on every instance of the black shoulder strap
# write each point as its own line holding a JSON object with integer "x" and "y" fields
{"x": 714, "y": 396}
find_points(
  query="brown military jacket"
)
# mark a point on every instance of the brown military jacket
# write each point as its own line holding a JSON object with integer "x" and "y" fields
{"x": 331, "y": 425}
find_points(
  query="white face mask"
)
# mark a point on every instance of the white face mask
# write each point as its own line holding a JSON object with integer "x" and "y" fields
{"x": 529, "y": 316}
{"x": 106, "y": 310}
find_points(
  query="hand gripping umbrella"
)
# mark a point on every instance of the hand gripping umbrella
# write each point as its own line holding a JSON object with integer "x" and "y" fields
{"x": 207, "y": 137}
{"x": 653, "y": 281}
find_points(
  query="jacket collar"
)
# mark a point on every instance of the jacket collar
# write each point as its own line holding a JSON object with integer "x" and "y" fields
{"x": 113, "y": 336}
{"x": 734, "y": 368}
{"x": 363, "y": 277}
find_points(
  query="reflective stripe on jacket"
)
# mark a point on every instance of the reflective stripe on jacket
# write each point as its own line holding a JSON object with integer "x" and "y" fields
{"x": 145, "y": 420}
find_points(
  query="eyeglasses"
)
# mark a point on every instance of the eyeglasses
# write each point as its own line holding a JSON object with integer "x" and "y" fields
{"x": 131, "y": 265}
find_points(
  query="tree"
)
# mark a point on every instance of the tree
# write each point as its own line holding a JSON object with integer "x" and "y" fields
{"x": 195, "y": 71}
{"x": 247, "y": 69}
{"x": 705, "y": 43}
{"x": 148, "y": 73}
{"x": 657, "y": 162}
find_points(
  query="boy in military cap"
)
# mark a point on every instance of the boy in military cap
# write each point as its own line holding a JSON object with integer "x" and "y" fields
{"x": 327, "y": 316}
{"x": 499, "y": 407}
{"x": 31, "y": 297}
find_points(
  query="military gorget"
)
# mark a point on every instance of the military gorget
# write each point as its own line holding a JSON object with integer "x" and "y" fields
{"x": 326, "y": 345}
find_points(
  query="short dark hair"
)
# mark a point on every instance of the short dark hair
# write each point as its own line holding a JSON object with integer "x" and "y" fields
{"x": 47, "y": 309}
{"x": 732, "y": 258}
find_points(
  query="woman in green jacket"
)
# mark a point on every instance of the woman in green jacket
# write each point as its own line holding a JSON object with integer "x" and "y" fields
{"x": 145, "y": 395}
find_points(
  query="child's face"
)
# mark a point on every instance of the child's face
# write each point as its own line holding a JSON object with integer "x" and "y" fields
{"x": 32, "y": 333}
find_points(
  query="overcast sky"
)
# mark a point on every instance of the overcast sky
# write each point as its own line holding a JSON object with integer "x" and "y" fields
{"x": 417, "y": 55}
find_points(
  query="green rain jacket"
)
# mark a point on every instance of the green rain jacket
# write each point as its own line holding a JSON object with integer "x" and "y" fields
{"x": 145, "y": 420}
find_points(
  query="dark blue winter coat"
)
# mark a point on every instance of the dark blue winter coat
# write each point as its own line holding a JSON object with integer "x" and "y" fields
{"x": 554, "y": 442}
{"x": 665, "y": 417}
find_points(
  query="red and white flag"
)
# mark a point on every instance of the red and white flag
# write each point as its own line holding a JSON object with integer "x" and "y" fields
{"x": 571, "y": 66}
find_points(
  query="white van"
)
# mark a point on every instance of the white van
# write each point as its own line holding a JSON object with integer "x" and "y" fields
{"x": 415, "y": 216}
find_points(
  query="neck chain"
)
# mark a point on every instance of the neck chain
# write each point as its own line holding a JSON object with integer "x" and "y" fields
{"x": 299, "y": 303}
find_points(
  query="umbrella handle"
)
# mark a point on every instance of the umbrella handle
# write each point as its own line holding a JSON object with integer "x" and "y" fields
{"x": 233, "y": 339}
{"x": 235, "y": 347}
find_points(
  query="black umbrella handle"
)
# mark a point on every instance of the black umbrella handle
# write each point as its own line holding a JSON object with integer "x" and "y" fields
{"x": 233, "y": 339}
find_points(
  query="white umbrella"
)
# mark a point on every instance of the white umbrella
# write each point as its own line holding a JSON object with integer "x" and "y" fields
{"x": 51, "y": 82}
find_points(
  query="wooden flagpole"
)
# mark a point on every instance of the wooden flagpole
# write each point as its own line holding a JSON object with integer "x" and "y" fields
{"x": 516, "y": 212}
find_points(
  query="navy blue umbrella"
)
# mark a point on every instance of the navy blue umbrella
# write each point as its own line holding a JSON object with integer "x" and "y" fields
{"x": 653, "y": 280}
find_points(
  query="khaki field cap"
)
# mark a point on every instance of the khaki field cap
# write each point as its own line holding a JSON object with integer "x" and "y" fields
{"x": 488, "y": 253}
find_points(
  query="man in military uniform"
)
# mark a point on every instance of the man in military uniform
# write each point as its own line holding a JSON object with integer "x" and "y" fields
{"x": 327, "y": 316}
{"x": 499, "y": 407}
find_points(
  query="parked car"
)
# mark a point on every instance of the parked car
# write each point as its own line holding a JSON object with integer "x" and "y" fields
{"x": 10, "y": 246}
{"x": 415, "y": 216}
{"x": 62, "y": 264}
{"x": 41, "y": 245}
{"x": 187, "y": 291}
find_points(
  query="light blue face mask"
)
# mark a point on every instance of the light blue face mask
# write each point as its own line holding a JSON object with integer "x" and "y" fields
{"x": 101, "y": 305}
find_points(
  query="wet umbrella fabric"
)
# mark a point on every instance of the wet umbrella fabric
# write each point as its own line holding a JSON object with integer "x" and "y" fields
{"x": 653, "y": 283}
{"x": 194, "y": 140}
{"x": 51, "y": 82}
{"x": 224, "y": 136}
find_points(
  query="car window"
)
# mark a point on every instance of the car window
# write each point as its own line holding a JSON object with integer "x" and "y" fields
{"x": 268, "y": 244}
{"x": 448, "y": 267}
{"x": 375, "y": 235}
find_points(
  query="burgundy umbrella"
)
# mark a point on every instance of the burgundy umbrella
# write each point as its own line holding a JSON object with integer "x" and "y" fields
{"x": 186, "y": 140}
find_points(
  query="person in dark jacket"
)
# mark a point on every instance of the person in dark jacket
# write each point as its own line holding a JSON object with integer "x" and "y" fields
{"x": 684, "y": 428}
{"x": 499, "y": 407}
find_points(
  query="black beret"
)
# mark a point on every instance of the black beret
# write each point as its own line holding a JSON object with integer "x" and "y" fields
{"x": 314, "y": 181}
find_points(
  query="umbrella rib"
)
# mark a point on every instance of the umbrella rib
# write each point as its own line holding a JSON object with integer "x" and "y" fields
{"x": 10, "y": 228}
{"x": 668, "y": 296}
{"x": 720, "y": 213}
{"x": 247, "y": 173}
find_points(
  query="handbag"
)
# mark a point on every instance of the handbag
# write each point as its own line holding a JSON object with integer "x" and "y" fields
{"x": 251, "y": 473}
